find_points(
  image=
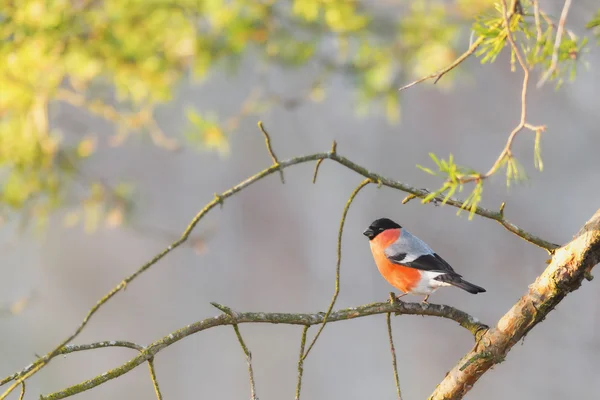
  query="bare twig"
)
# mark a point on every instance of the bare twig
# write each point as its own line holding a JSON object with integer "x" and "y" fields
{"x": 22, "y": 396}
{"x": 557, "y": 41}
{"x": 388, "y": 318}
{"x": 248, "y": 360}
{"x": 439, "y": 74}
{"x": 507, "y": 150}
{"x": 245, "y": 349}
{"x": 218, "y": 200}
{"x": 270, "y": 149}
{"x": 400, "y": 308}
{"x": 301, "y": 361}
{"x": 566, "y": 272}
{"x": 338, "y": 262}
{"x": 153, "y": 378}
{"x": 318, "y": 164}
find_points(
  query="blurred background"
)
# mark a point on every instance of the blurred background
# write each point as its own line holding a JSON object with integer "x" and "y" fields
{"x": 120, "y": 120}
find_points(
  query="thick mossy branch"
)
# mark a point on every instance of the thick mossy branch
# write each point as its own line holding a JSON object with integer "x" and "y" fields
{"x": 399, "y": 308}
{"x": 568, "y": 268}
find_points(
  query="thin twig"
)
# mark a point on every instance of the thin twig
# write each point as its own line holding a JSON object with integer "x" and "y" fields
{"x": 245, "y": 349}
{"x": 388, "y": 318}
{"x": 551, "y": 23}
{"x": 22, "y": 396}
{"x": 338, "y": 262}
{"x": 486, "y": 213}
{"x": 506, "y": 151}
{"x": 270, "y": 149}
{"x": 439, "y": 74}
{"x": 301, "y": 361}
{"x": 248, "y": 360}
{"x": 153, "y": 378}
{"x": 400, "y": 308}
{"x": 318, "y": 164}
{"x": 557, "y": 41}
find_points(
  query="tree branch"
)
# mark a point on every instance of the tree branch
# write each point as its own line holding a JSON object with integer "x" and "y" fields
{"x": 219, "y": 199}
{"x": 439, "y": 74}
{"x": 301, "y": 361}
{"x": 245, "y": 349}
{"x": 557, "y": 41}
{"x": 388, "y": 320}
{"x": 465, "y": 320}
{"x": 570, "y": 265}
{"x": 154, "y": 380}
{"x": 338, "y": 262}
{"x": 270, "y": 149}
{"x": 506, "y": 153}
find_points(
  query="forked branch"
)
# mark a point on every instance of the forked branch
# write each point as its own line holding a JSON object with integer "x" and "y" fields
{"x": 399, "y": 308}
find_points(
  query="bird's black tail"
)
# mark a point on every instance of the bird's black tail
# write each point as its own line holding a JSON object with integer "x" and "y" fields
{"x": 458, "y": 281}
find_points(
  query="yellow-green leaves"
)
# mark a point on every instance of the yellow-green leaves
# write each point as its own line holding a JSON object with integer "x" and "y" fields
{"x": 491, "y": 27}
{"x": 455, "y": 178}
{"x": 428, "y": 37}
{"x": 341, "y": 16}
{"x": 535, "y": 35}
{"x": 120, "y": 59}
{"x": 206, "y": 133}
{"x": 594, "y": 25}
{"x": 103, "y": 205}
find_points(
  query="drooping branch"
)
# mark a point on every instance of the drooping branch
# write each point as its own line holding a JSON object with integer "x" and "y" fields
{"x": 399, "y": 308}
{"x": 570, "y": 265}
{"x": 301, "y": 361}
{"x": 388, "y": 320}
{"x": 154, "y": 380}
{"x": 338, "y": 261}
{"x": 245, "y": 349}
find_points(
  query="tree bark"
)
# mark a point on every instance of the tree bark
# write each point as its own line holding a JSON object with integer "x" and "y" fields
{"x": 570, "y": 264}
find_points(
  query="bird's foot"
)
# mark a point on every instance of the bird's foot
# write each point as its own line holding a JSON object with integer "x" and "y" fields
{"x": 425, "y": 300}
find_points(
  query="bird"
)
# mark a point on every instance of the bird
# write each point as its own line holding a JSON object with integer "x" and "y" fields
{"x": 409, "y": 264}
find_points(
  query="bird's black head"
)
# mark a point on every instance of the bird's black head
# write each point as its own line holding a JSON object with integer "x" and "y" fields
{"x": 378, "y": 226}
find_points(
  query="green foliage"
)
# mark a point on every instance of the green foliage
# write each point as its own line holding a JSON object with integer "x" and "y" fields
{"x": 120, "y": 59}
{"x": 205, "y": 133}
{"x": 594, "y": 25}
{"x": 536, "y": 42}
{"x": 535, "y": 37}
{"x": 490, "y": 27}
{"x": 455, "y": 178}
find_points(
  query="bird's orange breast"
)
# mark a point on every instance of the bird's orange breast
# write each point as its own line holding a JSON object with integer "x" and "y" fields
{"x": 402, "y": 278}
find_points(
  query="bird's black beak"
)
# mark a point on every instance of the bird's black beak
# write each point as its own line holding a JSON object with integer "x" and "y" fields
{"x": 369, "y": 233}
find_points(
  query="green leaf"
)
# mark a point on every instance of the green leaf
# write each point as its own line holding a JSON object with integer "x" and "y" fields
{"x": 427, "y": 170}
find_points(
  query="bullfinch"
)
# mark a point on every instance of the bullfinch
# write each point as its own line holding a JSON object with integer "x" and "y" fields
{"x": 408, "y": 263}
